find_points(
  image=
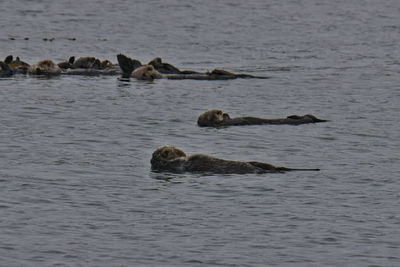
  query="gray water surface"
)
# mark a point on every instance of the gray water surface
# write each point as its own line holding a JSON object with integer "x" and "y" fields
{"x": 76, "y": 187}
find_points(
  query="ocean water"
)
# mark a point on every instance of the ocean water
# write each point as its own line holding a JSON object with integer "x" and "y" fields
{"x": 76, "y": 187}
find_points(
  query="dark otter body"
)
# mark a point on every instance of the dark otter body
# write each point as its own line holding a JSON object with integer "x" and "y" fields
{"x": 128, "y": 65}
{"x": 216, "y": 118}
{"x": 86, "y": 63}
{"x": 172, "y": 159}
{"x": 67, "y": 64}
{"x": 5, "y": 70}
{"x": 16, "y": 65}
{"x": 293, "y": 120}
{"x": 166, "y": 68}
{"x": 88, "y": 66}
{"x": 216, "y": 74}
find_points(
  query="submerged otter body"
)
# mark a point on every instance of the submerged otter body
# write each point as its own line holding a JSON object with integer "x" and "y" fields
{"x": 216, "y": 118}
{"x": 172, "y": 159}
{"x": 128, "y": 65}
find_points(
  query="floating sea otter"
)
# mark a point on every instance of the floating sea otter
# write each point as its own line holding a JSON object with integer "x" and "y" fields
{"x": 146, "y": 72}
{"x": 44, "y": 67}
{"x": 128, "y": 66}
{"x": 134, "y": 68}
{"x": 172, "y": 159}
{"x": 166, "y": 68}
{"x": 5, "y": 70}
{"x": 88, "y": 66}
{"x": 16, "y": 65}
{"x": 67, "y": 64}
{"x": 86, "y": 63}
{"x": 215, "y": 118}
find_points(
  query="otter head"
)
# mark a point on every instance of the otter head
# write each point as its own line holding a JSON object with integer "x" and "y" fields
{"x": 164, "y": 155}
{"x": 47, "y": 63}
{"x": 212, "y": 117}
{"x": 150, "y": 73}
{"x": 156, "y": 62}
{"x": 105, "y": 64}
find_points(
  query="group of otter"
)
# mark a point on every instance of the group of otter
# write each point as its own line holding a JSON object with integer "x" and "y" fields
{"x": 166, "y": 158}
{"x": 173, "y": 159}
{"x": 127, "y": 67}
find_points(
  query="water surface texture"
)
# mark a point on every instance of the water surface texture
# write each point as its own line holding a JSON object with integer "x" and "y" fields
{"x": 76, "y": 187}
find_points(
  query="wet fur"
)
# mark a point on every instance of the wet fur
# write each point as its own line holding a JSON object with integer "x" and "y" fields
{"x": 128, "y": 65}
{"x": 5, "y": 70}
{"x": 44, "y": 67}
{"x": 172, "y": 159}
{"x": 146, "y": 72}
{"x": 215, "y": 118}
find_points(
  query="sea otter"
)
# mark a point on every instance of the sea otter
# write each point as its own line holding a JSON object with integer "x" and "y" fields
{"x": 215, "y": 118}
{"x": 67, "y": 64}
{"x": 5, "y": 70}
{"x": 16, "y": 65}
{"x": 44, "y": 67}
{"x": 166, "y": 68}
{"x": 172, "y": 159}
{"x": 88, "y": 66}
{"x": 146, "y": 72}
{"x": 86, "y": 63}
{"x": 128, "y": 65}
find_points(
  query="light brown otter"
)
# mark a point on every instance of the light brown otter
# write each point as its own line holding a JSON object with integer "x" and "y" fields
{"x": 146, "y": 72}
{"x": 44, "y": 67}
{"x": 215, "y": 118}
{"x": 172, "y": 159}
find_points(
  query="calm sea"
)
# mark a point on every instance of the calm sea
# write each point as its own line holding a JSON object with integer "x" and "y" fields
{"x": 76, "y": 187}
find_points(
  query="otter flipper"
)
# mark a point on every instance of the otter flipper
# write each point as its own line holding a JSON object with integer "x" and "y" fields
{"x": 127, "y": 64}
{"x": 8, "y": 59}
